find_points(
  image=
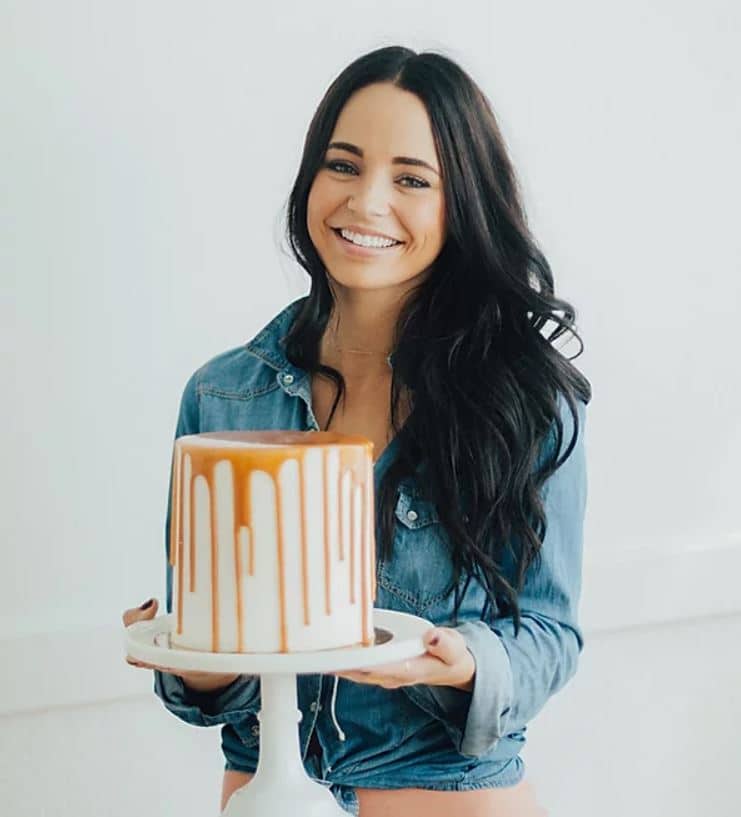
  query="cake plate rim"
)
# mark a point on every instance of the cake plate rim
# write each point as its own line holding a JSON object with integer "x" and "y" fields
{"x": 147, "y": 641}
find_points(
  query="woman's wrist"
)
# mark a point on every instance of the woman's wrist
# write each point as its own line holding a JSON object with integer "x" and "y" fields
{"x": 467, "y": 683}
{"x": 466, "y": 686}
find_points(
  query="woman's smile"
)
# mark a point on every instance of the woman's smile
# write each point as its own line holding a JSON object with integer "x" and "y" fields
{"x": 360, "y": 251}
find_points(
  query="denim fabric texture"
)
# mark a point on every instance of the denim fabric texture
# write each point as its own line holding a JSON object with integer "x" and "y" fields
{"x": 420, "y": 736}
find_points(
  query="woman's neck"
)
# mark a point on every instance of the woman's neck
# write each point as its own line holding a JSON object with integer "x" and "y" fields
{"x": 358, "y": 345}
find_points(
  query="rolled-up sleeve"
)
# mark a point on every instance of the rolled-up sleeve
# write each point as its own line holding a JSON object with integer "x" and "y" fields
{"x": 241, "y": 697}
{"x": 515, "y": 676}
{"x": 229, "y": 705}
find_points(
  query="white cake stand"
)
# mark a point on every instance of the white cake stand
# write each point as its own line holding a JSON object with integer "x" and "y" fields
{"x": 281, "y": 786}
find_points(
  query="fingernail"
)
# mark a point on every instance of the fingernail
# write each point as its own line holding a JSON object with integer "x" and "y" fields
{"x": 147, "y": 604}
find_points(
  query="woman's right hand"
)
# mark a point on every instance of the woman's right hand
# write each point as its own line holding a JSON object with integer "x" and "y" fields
{"x": 198, "y": 681}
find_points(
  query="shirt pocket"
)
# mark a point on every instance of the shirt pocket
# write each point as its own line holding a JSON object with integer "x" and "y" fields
{"x": 253, "y": 411}
{"x": 418, "y": 578}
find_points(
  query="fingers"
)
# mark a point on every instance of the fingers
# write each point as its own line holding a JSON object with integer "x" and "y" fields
{"x": 389, "y": 676}
{"x": 138, "y": 663}
{"x": 144, "y": 665}
{"x": 445, "y": 643}
{"x": 363, "y": 677}
{"x": 145, "y": 612}
{"x": 447, "y": 661}
{"x": 449, "y": 646}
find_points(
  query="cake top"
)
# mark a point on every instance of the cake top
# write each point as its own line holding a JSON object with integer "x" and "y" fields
{"x": 276, "y": 439}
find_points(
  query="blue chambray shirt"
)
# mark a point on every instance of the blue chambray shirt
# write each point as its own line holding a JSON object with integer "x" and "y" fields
{"x": 418, "y": 736}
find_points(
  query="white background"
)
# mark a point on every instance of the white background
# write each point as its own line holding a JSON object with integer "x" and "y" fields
{"x": 146, "y": 154}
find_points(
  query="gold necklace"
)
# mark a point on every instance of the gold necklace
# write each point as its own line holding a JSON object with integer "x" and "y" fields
{"x": 357, "y": 351}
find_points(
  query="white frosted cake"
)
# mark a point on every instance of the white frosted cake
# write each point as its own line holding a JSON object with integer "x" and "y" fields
{"x": 272, "y": 541}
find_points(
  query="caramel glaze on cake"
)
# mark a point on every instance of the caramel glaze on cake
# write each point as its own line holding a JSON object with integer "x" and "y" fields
{"x": 355, "y": 456}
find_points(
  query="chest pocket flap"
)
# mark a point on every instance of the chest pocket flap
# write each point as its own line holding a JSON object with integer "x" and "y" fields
{"x": 414, "y": 512}
{"x": 419, "y": 576}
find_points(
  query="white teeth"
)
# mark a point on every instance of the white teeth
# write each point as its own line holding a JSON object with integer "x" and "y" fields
{"x": 367, "y": 240}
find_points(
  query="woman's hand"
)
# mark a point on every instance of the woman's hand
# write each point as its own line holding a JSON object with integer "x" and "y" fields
{"x": 199, "y": 681}
{"x": 447, "y": 662}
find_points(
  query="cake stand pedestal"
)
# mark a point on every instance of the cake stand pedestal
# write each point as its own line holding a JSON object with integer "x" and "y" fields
{"x": 281, "y": 787}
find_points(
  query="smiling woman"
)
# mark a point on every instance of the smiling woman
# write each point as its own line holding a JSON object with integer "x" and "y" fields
{"x": 422, "y": 331}
{"x": 372, "y": 208}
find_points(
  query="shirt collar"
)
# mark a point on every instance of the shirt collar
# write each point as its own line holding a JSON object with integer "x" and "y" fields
{"x": 269, "y": 343}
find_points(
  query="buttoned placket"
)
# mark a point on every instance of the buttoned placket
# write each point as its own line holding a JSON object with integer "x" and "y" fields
{"x": 315, "y": 707}
{"x": 295, "y": 388}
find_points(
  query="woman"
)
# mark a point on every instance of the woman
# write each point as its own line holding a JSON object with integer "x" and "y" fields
{"x": 421, "y": 331}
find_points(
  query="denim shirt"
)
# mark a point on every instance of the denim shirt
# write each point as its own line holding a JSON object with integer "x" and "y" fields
{"x": 420, "y": 736}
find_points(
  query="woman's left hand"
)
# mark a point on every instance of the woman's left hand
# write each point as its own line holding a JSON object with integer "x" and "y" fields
{"x": 447, "y": 662}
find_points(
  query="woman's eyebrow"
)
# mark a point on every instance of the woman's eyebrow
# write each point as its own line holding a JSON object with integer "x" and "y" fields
{"x": 397, "y": 160}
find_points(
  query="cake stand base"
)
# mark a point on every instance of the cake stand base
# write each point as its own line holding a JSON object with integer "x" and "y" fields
{"x": 281, "y": 787}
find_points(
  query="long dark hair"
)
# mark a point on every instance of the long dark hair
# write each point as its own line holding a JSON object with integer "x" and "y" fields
{"x": 468, "y": 350}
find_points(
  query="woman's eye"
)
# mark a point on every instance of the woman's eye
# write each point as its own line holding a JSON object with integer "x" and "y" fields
{"x": 418, "y": 182}
{"x": 337, "y": 165}
{"x": 341, "y": 167}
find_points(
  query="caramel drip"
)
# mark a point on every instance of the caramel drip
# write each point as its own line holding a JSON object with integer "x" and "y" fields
{"x": 181, "y": 523}
{"x": 304, "y": 541}
{"x": 175, "y": 514}
{"x": 237, "y": 493}
{"x": 214, "y": 563}
{"x": 180, "y": 459}
{"x": 176, "y": 539}
{"x": 242, "y": 519}
{"x": 171, "y": 556}
{"x": 355, "y": 453}
{"x": 340, "y": 507}
{"x": 192, "y": 532}
{"x": 364, "y": 552}
{"x": 281, "y": 565}
{"x": 352, "y": 539}
{"x": 372, "y": 533}
{"x": 327, "y": 555}
{"x": 203, "y": 464}
{"x": 248, "y": 522}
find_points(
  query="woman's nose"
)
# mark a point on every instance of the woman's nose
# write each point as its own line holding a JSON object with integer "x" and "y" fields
{"x": 370, "y": 196}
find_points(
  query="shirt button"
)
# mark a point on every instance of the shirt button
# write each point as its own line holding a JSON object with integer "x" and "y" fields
{"x": 288, "y": 379}
{"x": 411, "y": 515}
{"x": 315, "y": 707}
{"x": 256, "y": 729}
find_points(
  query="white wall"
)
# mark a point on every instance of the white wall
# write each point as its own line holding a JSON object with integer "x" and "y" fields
{"x": 147, "y": 152}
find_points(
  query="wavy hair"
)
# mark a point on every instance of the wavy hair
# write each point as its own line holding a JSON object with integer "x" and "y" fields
{"x": 482, "y": 379}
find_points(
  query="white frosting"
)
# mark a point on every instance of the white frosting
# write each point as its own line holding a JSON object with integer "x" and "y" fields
{"x": 260, "y": 592}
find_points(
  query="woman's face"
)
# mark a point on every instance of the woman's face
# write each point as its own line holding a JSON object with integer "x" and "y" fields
{"x": 379, "y": 176}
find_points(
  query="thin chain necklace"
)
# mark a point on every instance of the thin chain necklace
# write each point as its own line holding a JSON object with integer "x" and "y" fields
{"x": 357, "y": 351}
